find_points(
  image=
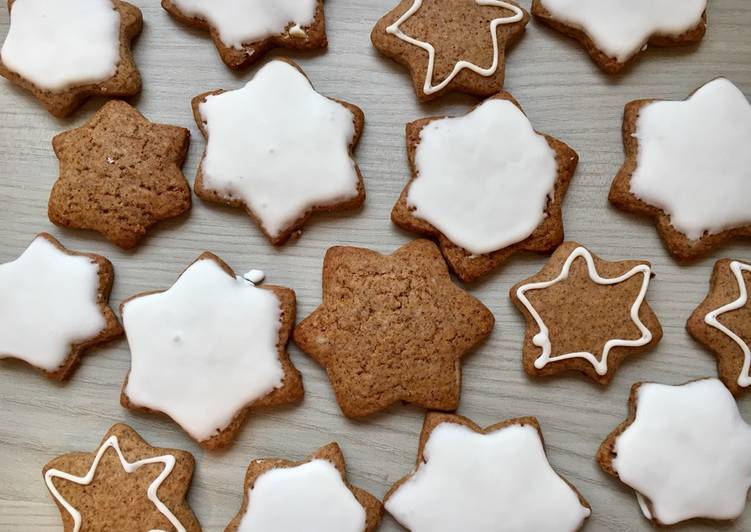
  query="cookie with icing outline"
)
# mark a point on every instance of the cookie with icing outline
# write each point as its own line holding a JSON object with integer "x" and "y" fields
{"x": 422, "y": 35}
{"x": 543, "y": 236}
{"x": 125, "y": 82}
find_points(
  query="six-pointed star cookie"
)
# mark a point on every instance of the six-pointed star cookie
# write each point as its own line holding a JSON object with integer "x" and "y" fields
{"x": 125, "y": 485}
{"x": 65, "y": 52}
{"x": 451, "y": 45}
{"x": 392, "y": 328}
{"x": 119, "y": 175}
{"x": 468, "y": 478}
{"x": 688, "y": 166}
{"x": 485, "y": 185}
{"x": 209, "y": 349}
{"x": 585, "y": 314}
{"x": 684, "y": 450}
{"x": 279, "y": 149}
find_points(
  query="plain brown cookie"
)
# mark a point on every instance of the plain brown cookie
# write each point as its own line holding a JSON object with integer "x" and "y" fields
{"x": 119, "y": 175}
{"x": 468, "y": 266}
{"x": 332, "y": 453}
{"x": 392, "y": 328}
{"x": 124, "y": 83}
{"x": 116, "y": 499}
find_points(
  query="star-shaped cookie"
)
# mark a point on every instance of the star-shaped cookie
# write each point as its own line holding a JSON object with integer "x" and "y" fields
{"x": 392, "y": 328}
{"x": 684, "y": 450}
{"x": 309, "y": 495}
{"x": 585, "y": 314}
{"x": 65, "y": 52}
{"x": 485, "y": 185}
{"x": 280, "y": 150}
{"x": 688, "y": 166}
{"x": 451, "y": 45}
{"x": 469, "y": 478}
{"x": 119, "y": 175}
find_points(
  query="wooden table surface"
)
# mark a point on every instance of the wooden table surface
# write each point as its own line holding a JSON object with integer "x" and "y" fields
{"x": 563, "y": 93}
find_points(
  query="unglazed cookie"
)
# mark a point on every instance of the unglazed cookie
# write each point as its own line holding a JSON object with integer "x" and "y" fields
{"x": 65, "y": 52}
{"x": 279, "y": 149}
{"x": 688, "y": 166}
{"x": 209, "y": 349}
{"x": 485, "y": 185}
{"x": 243, "y": 31}
{"x": 451, "y": 45}
{"x": 684, "y": 450}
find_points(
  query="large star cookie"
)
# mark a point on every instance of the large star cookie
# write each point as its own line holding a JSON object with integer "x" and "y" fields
{"x": 207, "y": 350}
{"x": 65, "y": 52}
{"x": 451, "y": 45}
{"x": 54, "y": 306}
{"x": 469, "y": 478}
{"x": 684, "y": 450}
{"x": 244, "y": 31}
{"x": 309, "y": 495}
{"x": 392, "y": 328}
{"x": 688, "y": 166}
{"x": 485, "y": 185}
{"x": 119, "y": 175}
{"x": 585, "y": 314}
{"x": 279, "y": 149}
{"x": 125, "y": 485}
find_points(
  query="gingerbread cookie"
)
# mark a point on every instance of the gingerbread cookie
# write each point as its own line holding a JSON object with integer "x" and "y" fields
{"x": 451, "y": 45}
{"x": 392, "y": 328}
{"x": 585, "y": 314}
{"x": 244, "y": 31}
{"x": 54, "y": 306}
{"x": 311, "y": 495}
{"x": 688, "y": 166}
{"x": 684, "y": 450}
{"x": 66, "y": 52}
{"x": 280, "y": 150}
{"x": 210, "y": 348}
{"x": 485, "y": 185}
{"x": 119, "y": 175}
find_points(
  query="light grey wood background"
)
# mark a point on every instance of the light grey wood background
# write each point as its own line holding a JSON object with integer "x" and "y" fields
{"x": 564, "y": 95}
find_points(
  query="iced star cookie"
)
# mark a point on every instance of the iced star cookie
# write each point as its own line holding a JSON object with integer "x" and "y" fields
{"x": 480, "y": 478}
{"x": 280, "y": 495}
{"x": 684, "y": 450}
{"x": 585, "y": 314}
{"x": 243, "y": 31}
{"x": 124, "y": 485}
{"x": 54, "y": 306}
{"x": 688, "y": 166}
{"x": 119, "y": 175}
{"x": 280, "y": 150}
{"x": 615, "y": 32}
{"x": 485, "y": 185}
{"x": 66, "y": 52}
{"x": 451, "y": 45}
{"x": 209, "y": 349}
{"x": 392, "y": 328}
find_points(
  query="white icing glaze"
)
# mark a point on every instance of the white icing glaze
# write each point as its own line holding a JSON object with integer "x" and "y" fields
{"x": 279, "y": 146}
{"x": 57, "y": 45}
{"x": 693, "y": 160}
{"x": 483, "y": 179}
{"x": 255, "y": 276}
{"x": 687, "y": 452}
{"x": 240, "y": 22}
{"x": 428, "y": 87}
{"x": 48, "y": 304}
{"x": 472, "y": 481}
{"x": 203, "y": 349}
{"x": 542, "y": 339}
{"x": 167, "y": 460}
{"x": 621, "y": 29}
{"x": 310, "y": 497}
